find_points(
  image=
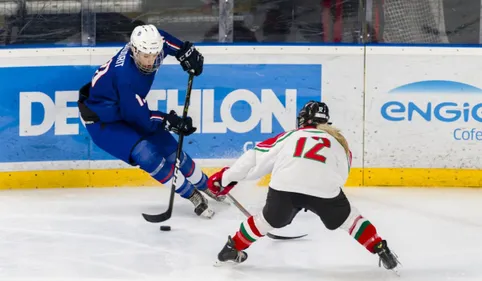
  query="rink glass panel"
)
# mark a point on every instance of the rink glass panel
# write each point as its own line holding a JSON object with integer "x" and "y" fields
{"x": 98, "y": 22}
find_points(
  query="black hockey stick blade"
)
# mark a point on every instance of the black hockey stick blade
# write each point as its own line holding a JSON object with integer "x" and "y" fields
{"x": 279, "y": 237}
{"x": 158, "y": 218}
{"x": 247, "y": 214}
{"x": 168, "y": 213}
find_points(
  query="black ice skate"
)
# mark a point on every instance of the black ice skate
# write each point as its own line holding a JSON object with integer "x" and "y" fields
{"x": 200, "y": 203}
{"x": 387, "y": 258}
{"x": 214, "y": 197}
{"x": 230, "y": 254}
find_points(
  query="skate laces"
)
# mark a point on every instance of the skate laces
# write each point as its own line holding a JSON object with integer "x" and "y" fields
{"x": 197, "y": 198}
{"x": 241, "y": 256}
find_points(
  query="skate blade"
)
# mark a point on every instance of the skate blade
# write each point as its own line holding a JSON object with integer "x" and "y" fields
{"x": 396, "y": 271}
{"x": 208, "y": 213}
{"x": 219, "y": 263}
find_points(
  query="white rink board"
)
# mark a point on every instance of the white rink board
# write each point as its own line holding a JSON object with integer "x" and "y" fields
{"x": 420, "y": 143}
{"x": 342, "y": 87}
{"x": 412, "y": 115}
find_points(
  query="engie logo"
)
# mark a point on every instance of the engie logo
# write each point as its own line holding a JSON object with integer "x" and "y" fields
{"x": 441, "y": 101}
{"x": 428, "y": 107}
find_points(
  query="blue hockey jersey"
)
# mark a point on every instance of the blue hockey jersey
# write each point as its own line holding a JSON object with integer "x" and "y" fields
{"x": 119, "y": 89}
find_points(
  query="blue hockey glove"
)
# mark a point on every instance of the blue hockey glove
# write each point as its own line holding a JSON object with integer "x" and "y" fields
{"x": 175, "y": 123}
{"x": 190, "y": 58}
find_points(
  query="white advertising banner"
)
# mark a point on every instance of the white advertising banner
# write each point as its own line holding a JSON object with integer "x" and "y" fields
{"x": 423, "y": 108}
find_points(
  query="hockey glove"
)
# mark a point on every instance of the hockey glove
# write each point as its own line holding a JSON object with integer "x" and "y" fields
{"x": 190, "y": 58}
{"x": 175, "y": 123}
{"x": 214, "y": 183}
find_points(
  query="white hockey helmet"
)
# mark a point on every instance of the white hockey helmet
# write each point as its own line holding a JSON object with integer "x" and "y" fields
{"x": 146, "y": 44}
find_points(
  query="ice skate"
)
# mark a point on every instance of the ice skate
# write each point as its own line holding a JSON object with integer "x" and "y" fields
{"x": 230, "y": 254}
{"x": 200, "y": 203}
{"x": 387, "y": 258}
{"x": 214, "y": 197}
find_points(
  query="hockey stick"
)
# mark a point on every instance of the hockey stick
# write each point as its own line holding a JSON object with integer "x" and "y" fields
{"x": 167, "y": 214}
{"x": 247, "y": 214}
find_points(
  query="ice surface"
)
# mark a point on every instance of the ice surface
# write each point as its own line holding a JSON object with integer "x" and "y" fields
{"x": 99, "y": 234}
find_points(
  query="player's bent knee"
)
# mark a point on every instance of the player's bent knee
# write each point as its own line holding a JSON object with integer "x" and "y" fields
{"x": 261, "y": 224}
{"x": 351, "y": 220}
{"x": 337, "y": 219}
{"x": 277, "y": 219}
{"x": 332, "y": 226}
{"x": 150, "y": 159}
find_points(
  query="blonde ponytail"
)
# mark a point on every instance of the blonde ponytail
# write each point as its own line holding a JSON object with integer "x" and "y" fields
{"x": 334, "y": 132}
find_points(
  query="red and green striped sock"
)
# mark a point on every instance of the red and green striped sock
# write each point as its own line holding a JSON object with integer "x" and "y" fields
{"x": 247, "y": 234}
{"x": 365, "y": 233}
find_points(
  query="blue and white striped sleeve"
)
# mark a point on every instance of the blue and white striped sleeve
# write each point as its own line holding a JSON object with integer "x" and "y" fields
{"x": 172, "y": 44}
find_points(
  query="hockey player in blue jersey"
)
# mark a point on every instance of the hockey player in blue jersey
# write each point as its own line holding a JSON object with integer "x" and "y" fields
{"x": 116, "y": 115}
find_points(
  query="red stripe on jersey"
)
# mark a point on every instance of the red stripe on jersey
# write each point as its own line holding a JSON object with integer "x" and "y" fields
{"x": 156, "y": 117}
{"x": 269, "y": 142}
{"x": 173, "y": 45}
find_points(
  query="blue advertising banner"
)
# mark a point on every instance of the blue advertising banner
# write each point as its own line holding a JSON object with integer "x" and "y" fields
{"x": 233, "y": 106}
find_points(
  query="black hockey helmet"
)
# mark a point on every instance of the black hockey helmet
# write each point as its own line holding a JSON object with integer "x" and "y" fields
{"x": 313, "y": 113}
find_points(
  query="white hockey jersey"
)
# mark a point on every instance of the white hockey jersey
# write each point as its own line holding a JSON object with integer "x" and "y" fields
{"x": 307, "y": 160}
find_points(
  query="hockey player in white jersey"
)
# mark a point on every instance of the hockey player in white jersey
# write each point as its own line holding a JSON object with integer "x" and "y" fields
{"x": 308, "y": 167}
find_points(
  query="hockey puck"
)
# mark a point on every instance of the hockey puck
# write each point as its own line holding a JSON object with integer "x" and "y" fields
{"x": 165, "y": 228}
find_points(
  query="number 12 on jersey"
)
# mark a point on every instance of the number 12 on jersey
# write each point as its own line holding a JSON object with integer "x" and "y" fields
{"x": 313, "y": 152}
